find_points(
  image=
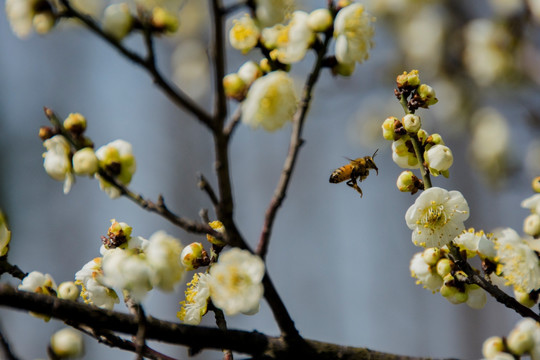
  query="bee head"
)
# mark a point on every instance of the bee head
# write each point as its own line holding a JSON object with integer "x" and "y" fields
{"x": 370, "y": 164}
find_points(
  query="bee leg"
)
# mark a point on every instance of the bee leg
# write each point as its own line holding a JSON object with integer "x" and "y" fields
{"x": 352, "y": 183}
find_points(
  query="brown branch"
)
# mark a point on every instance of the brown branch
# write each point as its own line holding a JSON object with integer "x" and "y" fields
{"x": 492, "y": 289}
{"x": 205, "y": 186}
{"x": 235, "y": 120}
{"x": 222, "y": 325}
{"x": 218, "y": 58}
{"x": 177, "y": 96}
{"x": 13, "y": 270}
{"x": 196, "y": 337}
{"x": 294, "y": 147}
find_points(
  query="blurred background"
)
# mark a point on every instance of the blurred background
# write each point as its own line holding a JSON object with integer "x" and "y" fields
{"x": 339, "y": 262}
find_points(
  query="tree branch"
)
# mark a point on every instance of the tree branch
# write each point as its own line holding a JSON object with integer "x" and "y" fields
{"x": 196, "y": 337}
{"x": 294, "y": 147}
{"x": 13, "y": 270}
{"x": 177, "y": 96}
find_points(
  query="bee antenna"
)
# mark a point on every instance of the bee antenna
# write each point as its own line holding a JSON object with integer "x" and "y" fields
{"x": 348, "y": 158}
{"x": 374, "y": 153}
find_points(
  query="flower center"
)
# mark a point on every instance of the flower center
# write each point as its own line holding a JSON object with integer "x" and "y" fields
{"x": 434, "y": 216}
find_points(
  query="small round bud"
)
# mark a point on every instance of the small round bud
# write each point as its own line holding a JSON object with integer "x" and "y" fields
{"x": 411, "y": 123}
{"x": 192, "y": 255}
{"x": 422, "y": 136}
{"x": 46, "y": 132}
{"x": 75, "y": 123}
{"x": 438, "y": 158}
{"x": 444, "y": 267}
{"x": 520, "y": 341}
{"x": 408, "y": 79}
{"x": 460, "y": 276}
{"x": 435, "y": 139}
{"x": 264, "y": 64}
{"x": 344, "y": 69}
{"x": 234, "y": 86}
{"x": 118, "y": 234}
{"x": 431, "y": 255}
{"x": 406, "y": 181}
{"x": 531, "y": 225}
{"x": 249, "y": 72}
{"x": 67, "y": 343}
{"x": 536, "y": 184}
{"x": 388, "y": 128}
{"x": 524, "y": 298}
{"x": 218, "y": 226}
{"x": 426, "y": 95}
{"x": 163, "y": 20}
{"x": 43, "y": 22}
{"x": 117, "y": 20}
{"x": 85, "y": 162}
{"x": 68, "y": 290}
{"x": 320, "y": 20}
{"x": 492, "y": 346}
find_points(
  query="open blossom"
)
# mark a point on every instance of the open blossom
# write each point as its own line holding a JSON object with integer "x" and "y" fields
{"x": 270, "y": 102}
{"x": 517, "y": 262}
{"x": 354, "y": 31}
{"x": 425, "y": 273}
{"x": 235, "y": 284}
{"x": 163, "y": 255}
{"x": 271, "y": 12}
{"x": 27, "y": 15}
{"x": 39, "y": 283}
{"x": 244, "y": 34}
{"x": 293, "y": 40}
{"x": 196, "y": 303}
{"x": 477, "y": 243}
{"x": 532, "y": 203}
{"x": 57, "y": 162}
{"x": 437, "y": 217}
{"x": 117, "y": 158}
{"x": 93, "y": 290}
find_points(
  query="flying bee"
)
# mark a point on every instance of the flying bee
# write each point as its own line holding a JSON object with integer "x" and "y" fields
{"x": 356, "y": 169}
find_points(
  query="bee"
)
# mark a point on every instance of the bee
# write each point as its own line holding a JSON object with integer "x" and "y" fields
{"x": 356, "y": 169}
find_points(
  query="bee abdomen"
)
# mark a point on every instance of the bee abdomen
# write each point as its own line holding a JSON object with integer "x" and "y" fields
{"x": 339, "y": 175}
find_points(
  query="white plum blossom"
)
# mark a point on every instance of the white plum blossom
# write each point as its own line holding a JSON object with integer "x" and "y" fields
{"x": 517, "y": 262}
{"x": 244, "y": 34}
{"x": 477, "y": 243}
{"x": 116, "y": 157}
{"x": 320, "y": 20}
{"x": 532, "y": 203}
{"x": 93, "y": 290}
{"x": 27, "y": 15}
{"x": 85, "y": 162}
{"x": 271, "y": 12}
{"x": 425, "y": 273}
{"x": 294, "y": 39}
{"x": 270, "y": 102}
{"x": 196, "y": 303}
{"x": 68, "y": 290}
{"x": 235, "y": 284}
{"x": 57, "y": 161}
{"x": 249, "y": 72}
{"x": 67, "y": 343}
{"x": 163, "y": 255}
{"x": 354, "y": 31}
{"x": 402, "y": 153}
{"x": 438, "y": 158}
{"x": 39, "y": 283}
{"x": 437, "y": 217}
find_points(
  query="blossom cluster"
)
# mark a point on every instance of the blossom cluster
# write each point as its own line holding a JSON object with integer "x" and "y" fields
{"x": 265, "y": 88}
{"x": 524, "y": 339}
{"x": 70, "y": 152}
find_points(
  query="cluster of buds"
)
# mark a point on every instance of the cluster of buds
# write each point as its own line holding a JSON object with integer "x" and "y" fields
{"x": 437, "y": 272}
{"x": 531, "y": 224}
{"x": 194, "y": 255}
{"x": 415, "y": 94}
{"x": 523, "y": 340}
{"x": 27, "y": 15}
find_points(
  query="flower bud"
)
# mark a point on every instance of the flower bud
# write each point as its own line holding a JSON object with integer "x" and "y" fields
{"x": 234, "y": 86}
{"x": 45, "y": 132}
{"x": 422, "y": 136}
{"x": 426, "y": 95}
{"x": 68, "y": 290}
{"x": 408, "y": 79}
{"x": 388, "y": 128}
{"x": 406, "y": 181}
{"x": 244, "y": 34}
{"x": 85, "y": 162}
{"x": 67, "y": 343}
{"x": 249, "y": 72}
{"x": 411, "y": 123}
{"x": 520, "y": 341}
{"x": 218, "y": 226}
{"x": 163, "y": 20}
{"x": 75, "y": 123}
{"x": 444, "y": 267}
{"x": 439, "y": 158}
{"x": 192, "y": 255}
{"x": 536, "y": 184}
{"x": 264, "y": 64}
{"x": 460, "y": 276}
{"x": 117, "y": 20}
{"x": 320, "y": 20}
{"x": 531, "y": 225}
{"x": 524, "y": 298}
{"x": 431, "y": 255}
{"x": 43, "y": 22}
{"x": 492, "y": 346}
{"x": 344, "y": 69}
{"x": 118, "y": 234}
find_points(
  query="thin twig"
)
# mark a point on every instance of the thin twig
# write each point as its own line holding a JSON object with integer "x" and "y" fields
{"x": 13, "y": 270}
{"x": 235, "y": 120}
{"x": 205, "y": 185}
{"x": 140, "y": 337}
{"x": 178, "y": 97}
{"x": 222, "y": 324}
{"x": 218, "y": 58}
{"x": 294, "y": 147}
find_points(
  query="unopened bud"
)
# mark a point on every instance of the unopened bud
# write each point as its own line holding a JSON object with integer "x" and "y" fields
{"x": 460, "y": 276}
{"x": 388, "y": 128}
{"x": 234, "y": 86}
{"x": 531, "y": 225}
{"x": 431, "y": 255}
{"x": 46, "y": 132}
{"x": 218, "y": 226}
{"x": 444, "y": 267}
{"x": 492, "y": 346}
{"x": 67, "y": 343}
{"x": 192, "y": 255}
{"x": 320, "y": 20}
{"x": 264, "y": 64}
{"x": 117, "y": 20}
{"x": 438, "y": 158}
{"x": 68, "y": 290}
{"x": 422, "y": 136}
{"x": 85, "y": 162}
{"x": 520, "y": 341}
{"x": 411, "y": 123}
{"x": 249, "y": 72}
{"x": 536, "y": 184}
{"x": 406, "y": 181}
{"x": 524, "y": 298}
{"x": 118, "y": 234}
{"x": 344, "y": 69}
{"x": 426, "y": 95}
{"x": 476, "y": 296}
{"x": 75, "y": 123}
{"x": 408, "y": 79}
{"x": 43, "y": 22}
{"x": 163, "y": 20}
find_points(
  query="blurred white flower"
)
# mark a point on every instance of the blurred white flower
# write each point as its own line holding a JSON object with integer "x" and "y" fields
{"x": 191, "y": 68}
{"x": 354, "y": 31}
{"x": 532, "y": 203}
{"x": 117, "y": 20}
{"x": 270, "y": 102}
{"x": 320, "y": 20}
{"x": 425, "y": 273}
{"x": 271, "y": 12}
{"x": 93, "y": 290}
{"x": 117, "y": 158}
{"x": 57, "y": 162}
{"x": 196, "y": 303}
{"x": 85, "y": 162}
{"x": 517, "y": 262}
{"x": 235, "y": 284}
{"x": 67, "y": 343}
{"x": 27, "y": 15}
{"x": 163, "y": 255}
{"x": 492, "y": 347}
{"x": 244, "y": 34}
{"x": 507, "y": 7}
{"x": 5, "y": 235}
{"x": 294, "y": 39}
{"x": 38, "y": 283}
{"x": 437, "y": 217}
